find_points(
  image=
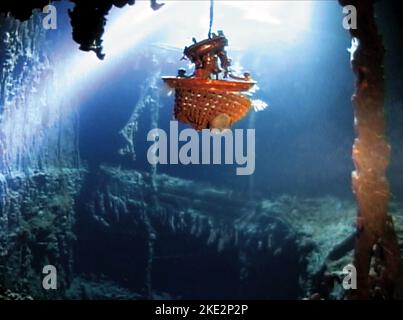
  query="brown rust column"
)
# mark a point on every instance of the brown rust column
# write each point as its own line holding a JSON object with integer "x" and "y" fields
{"x": 376, "y": 255}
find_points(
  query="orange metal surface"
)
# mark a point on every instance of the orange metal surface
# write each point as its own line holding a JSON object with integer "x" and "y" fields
{"x": 208, "y": 84}
{"x": 199, "y": 108}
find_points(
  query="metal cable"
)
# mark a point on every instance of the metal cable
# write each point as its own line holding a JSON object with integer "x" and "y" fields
{"x": 211, "y": 17}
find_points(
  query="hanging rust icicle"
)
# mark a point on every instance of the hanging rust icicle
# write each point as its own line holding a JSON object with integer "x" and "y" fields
{"x": 376, "y": 250}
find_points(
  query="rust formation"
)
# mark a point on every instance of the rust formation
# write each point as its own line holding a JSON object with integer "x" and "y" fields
{"x": 376, "y": 255}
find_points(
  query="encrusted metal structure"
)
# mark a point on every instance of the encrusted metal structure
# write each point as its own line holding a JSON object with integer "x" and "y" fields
{"x": 377, "y": 255}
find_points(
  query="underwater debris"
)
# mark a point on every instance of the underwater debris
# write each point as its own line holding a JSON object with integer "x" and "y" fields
{"x": 84, "y": 287}
{"x": 259, "y": 105}
{"x": 6, "y": 294}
